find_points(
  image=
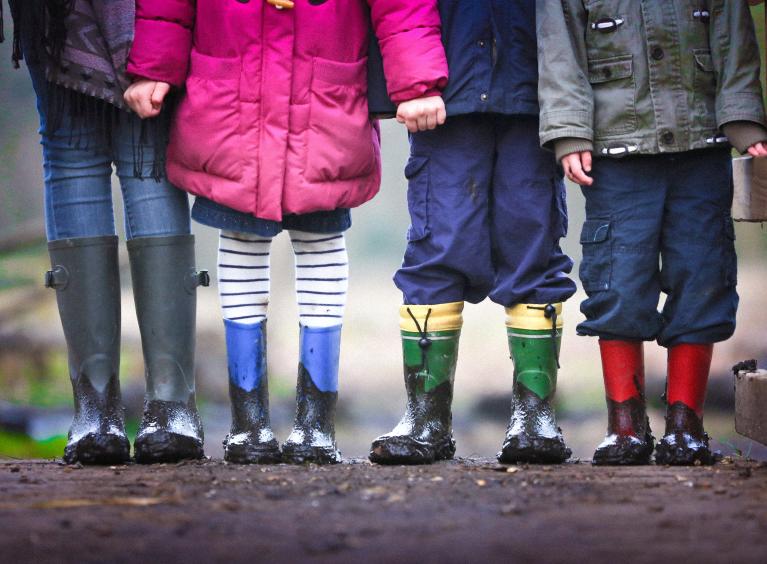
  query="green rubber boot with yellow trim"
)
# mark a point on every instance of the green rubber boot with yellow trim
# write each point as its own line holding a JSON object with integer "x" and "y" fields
{"x": 535, "y": 337}
{"x": 430, "y": 335}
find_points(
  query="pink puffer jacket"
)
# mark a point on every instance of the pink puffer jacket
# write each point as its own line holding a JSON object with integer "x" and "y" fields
{"x": 274, "y": 118}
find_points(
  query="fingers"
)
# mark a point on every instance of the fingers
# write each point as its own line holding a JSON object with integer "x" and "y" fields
{"x": 758, "y": 150}
{"x": 422, "y": 114}
{"x": 161, "y": 90}
{"x": 573, "y": 166}
{"x": 586, "y": 160}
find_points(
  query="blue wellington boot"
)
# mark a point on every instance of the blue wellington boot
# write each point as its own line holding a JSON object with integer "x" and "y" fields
{"x": 250, "y": 440}
{"x": 313, "y": 438}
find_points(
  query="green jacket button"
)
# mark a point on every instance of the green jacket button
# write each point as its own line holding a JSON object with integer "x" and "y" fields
{"x": 657, "y": 53}
{"x": 667, "y": 137}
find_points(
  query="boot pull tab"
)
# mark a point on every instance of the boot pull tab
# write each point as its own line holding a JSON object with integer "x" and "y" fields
{"x": 57, "y": 278}
{"x": 424, "y": 342}
{"x": 196, "y": 279}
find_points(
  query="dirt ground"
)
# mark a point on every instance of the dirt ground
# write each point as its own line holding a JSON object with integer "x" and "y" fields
{"x": 470, "y": 510}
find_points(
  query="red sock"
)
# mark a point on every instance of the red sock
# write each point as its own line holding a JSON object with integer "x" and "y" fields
{"x": 688, "y": 369}
{"x": 623, "y": 369}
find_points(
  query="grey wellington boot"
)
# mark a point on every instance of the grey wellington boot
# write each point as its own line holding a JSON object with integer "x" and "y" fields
{"x": 165, "y": 285}
{"x": 84, "y": 272}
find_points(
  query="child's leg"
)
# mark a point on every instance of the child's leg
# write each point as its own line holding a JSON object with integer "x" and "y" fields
{"x": 620, "y": 273}
{"x": 699, "y": 275}
{"x": 528, "y": 219}
{"x": 322, "y": 274}
{"x": 448, "y": 261}
{"x": 243, "y": 282}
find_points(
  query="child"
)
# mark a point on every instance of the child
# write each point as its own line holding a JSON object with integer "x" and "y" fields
{"x": 86, "y": 129}
{"x": 273, "y": 133}
{"x": 654, "y": 83}
{"x": 487, "y": 209}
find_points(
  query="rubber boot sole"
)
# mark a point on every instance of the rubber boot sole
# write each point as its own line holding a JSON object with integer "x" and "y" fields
{"x": 407, "y": 450}
{"x": 537, "y": 450}
{"x": 305, "y": 454}
{"x": 668, "y": 455}
{"x": 98, "y": 449}
{"x": 163, "y": 446}
{"x": 264, "y": 453}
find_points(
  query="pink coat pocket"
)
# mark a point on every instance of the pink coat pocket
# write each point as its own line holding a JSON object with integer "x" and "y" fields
{"x": 206, "y": 133}
{"x": 340, "y": 137}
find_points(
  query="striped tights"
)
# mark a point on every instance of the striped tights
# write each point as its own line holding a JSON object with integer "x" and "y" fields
{"x": 322, "y": 271}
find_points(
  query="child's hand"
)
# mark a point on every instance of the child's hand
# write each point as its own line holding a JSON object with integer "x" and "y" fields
{"x": 758, "y": 150}
{"x": 576, "y": 166}
{"x": 145, "y": 97}
{"x": 422, "y": 113}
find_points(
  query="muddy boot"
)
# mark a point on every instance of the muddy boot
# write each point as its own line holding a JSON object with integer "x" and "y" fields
{"x": 165, "y": 291}
{"x": 430, "y": 336}
{"x": 535, "y": 337}
{"x": 313, "y": 438}
{"x": 629, "y": 440}
{"x": 685, "y": 442}
{"x": 250, "y": 440}
{"x": 84, "y": 272}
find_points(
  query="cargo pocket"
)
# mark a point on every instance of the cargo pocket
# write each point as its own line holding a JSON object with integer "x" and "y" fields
{"x": 704, "y": 92}
{"x": 559, "y": 208}
{"x": 730, "y": 258}
{"x": 206, "y": 127}
{"x": 612, "y": 81}
{"x": 340, "y": 137}
{"x": 417, "y": 174}
{"x": 596, "y": 266}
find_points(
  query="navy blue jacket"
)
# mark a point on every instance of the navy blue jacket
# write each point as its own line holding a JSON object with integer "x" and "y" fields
{"x": 492, "y": 55}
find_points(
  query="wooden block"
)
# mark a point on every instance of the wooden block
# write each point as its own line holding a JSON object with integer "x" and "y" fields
{"x": 751, "y": 405}
{"x": 750, "y": 198}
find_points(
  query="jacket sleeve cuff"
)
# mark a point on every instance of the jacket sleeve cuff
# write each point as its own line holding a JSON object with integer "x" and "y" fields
{"x": 744, "y": 134}
{"x": 568, "y": 145}
{"x": 160, "y": 52}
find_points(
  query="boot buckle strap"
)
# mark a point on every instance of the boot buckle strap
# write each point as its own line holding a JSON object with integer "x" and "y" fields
{"x": 196, "y": 279}
{"x": 57, "y": 278}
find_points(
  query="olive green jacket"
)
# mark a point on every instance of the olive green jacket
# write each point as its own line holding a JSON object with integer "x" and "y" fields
{"x": 647, "y": 76}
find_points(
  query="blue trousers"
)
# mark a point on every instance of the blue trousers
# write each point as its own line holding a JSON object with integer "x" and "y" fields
{"x": 78, "y": 179}
{"x": 657, "y": 224}
{"x": 487, "y": 209}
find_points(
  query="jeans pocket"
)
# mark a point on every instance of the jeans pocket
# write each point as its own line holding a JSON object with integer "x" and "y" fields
{"x": 596, "y": 267}
{"x": 417, "y": 174}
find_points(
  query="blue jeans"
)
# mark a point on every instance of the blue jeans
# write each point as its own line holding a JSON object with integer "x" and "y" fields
{"x": 672, "y": 209}
{"x": 487, "y": 210}
{"x": 78, "y": 179}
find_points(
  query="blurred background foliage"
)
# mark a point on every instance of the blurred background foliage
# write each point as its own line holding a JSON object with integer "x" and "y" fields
{"x": 35, "y": 397}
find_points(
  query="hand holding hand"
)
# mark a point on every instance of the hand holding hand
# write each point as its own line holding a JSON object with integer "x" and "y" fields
{"x": 758, "y": 150}
{"x": 422, "y": 113}
{"x": 145, "y": 97}
{"x": 576, "y": 166}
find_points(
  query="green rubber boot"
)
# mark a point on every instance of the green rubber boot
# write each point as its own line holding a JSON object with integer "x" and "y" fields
{"x": 85, "y": 274}
{"x": 165, "y": 290}
{"x": 430, "y": 336}
{"x": 535, "y": 336}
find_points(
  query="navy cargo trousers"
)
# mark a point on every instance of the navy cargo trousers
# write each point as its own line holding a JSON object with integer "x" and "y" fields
{"x": 660, "y": 223}
{"x": 487, "y": 208}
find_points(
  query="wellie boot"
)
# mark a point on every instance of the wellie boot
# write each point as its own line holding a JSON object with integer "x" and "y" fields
{"x": 535, "y": 337}
{"x": 84, "y": 272}
{"x": 629, "y": 440}
{"x": 250, "y": 440}
{"x": 430, "y": 335}
{"x": 313, "y": 438}
{"x": 685, "y": 442}
{"x": 165, "y": 291}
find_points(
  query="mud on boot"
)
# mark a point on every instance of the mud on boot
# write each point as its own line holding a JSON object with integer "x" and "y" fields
{"x": 534, "y": 333}
{"x": 250, "y": 439}
{"x": 165, "y": 284}
{"x": 313, "y": 438}
{"x": 84, "y": 272}
{"x": 629, "y": 441}
{"x": 430, "y": 336}
{"x": 685, "y": 442}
